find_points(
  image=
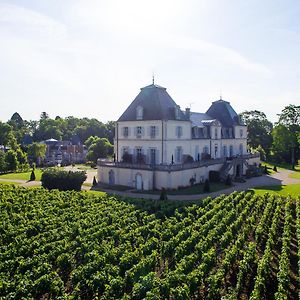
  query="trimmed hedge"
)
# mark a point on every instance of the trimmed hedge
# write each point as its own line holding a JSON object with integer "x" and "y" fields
{"x": 214, "y": 176}
{"x": 62, "y": 180}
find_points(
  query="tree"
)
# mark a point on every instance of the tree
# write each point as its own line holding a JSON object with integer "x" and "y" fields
{"x": 5, "y": 129}
{"x": 11, "y": 160}
{"x": 37, "y": 152}
{"x": 16, "y": 121}
{"x": 2, "y": 161}
{"x": 283, "y": 144}
{"x": 290, "y": 119}
{"x": 22, "y": 159}
{"x": 259, "y": 129}
{"x": 102, "y": 148}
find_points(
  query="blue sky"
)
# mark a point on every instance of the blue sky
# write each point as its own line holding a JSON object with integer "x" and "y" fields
{"x": 90, "y": 58}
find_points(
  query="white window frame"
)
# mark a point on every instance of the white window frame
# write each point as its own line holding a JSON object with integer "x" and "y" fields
{"x": 139, "y": 131}
{"x": 125, "y": 131}
{"x": 178, "y": 132}
{"x": 153, "y": 131}
{"x": 178, "y": 154}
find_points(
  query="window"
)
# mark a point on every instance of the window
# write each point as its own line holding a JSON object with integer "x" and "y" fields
{"x": 125, "y": 131}
{"x": 205, "y": 132}
{"x": 205, "y": 149}
{"x": 241, "y": 133}
{"x": 139, "y": 131}
{"x": 152, "y": 156}
{"x": 152, "y": 131}
{"x": 139, "y": 113}
{"x": 224, "y": 151}
{"x": 231, "y": 151}
{"x": 216, "y": 133}
{"x": 230, "y": 133}
{"x": 241, "y": 149}
{"x": 178, "y": 154}
{"x": 216, "y": 150}
{"x": 139, "y": 155}
{"x": 179, "y": 131}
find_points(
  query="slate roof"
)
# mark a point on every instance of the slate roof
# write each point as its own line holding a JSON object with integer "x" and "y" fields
{"x": 200, "y": 119}
{"x": 223, "y": 111}
{"x": 157, "y": 104}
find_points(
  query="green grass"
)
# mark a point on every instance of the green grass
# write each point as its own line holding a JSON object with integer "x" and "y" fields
{"x": 295, "y": 175}
{"x": 284, "y": 190}
{"x": 84, "y": 167}
{"x": 281, "y": 166}
{"x": 22, "y": 175}
{"x": 8, "y": 182}
{"x": 116, "y": 187}
{"x": 192, "y": 190}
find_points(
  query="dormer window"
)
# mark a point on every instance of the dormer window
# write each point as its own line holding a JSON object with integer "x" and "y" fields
{"x": 139, "y": 113}
{"x": 216, "y": 133}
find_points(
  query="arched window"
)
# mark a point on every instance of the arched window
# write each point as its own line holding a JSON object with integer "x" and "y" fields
{"x": 139, "y": 113}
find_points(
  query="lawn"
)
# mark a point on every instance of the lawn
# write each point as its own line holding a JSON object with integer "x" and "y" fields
{"x": 284, "y": 190}
{"x": 22, "y": 175}
{"x": 271, "y": 165}
{"x": 295, "y": 175}
{"x": 8, "y": 182}
{"x": 192, "y": 190}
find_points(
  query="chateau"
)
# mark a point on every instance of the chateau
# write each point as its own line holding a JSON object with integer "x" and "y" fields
{"x": 157, "y": 145}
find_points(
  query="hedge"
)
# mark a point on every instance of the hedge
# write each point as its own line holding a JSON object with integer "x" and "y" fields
{"x": 62, "y": 180}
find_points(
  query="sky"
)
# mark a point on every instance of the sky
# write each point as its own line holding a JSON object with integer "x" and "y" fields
{"x": 89, "y": 58}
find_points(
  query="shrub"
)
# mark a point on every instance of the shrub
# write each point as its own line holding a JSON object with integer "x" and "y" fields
{"x": 94, "y": 181}
{"x": 163, "y": 194}
{"x": 266, "y": 171}
{"x": 62, "y": 180}
{"x": 32, "y": 176}
{"x": 275, "y": 169}
{"x": 206, "y": 187}
{"x": 214, "y": 176}
{"x": 192, "y": 181}
{"x": 228, "y": 180}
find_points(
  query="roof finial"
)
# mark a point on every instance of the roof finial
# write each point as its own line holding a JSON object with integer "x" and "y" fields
{"x": 153, "y": 78}
{"x": 220, "y": 94}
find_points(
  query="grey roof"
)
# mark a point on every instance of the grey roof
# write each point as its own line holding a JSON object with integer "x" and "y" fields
{"x": 198, "y": 119}
{"x": 223, "y": 111}
{"x": 157, "y": 104}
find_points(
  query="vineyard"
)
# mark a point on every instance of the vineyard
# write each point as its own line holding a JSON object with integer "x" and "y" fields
{"x": 83, "y": 245}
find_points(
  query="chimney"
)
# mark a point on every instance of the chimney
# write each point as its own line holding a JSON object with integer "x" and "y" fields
{"x": 188, "y": 113}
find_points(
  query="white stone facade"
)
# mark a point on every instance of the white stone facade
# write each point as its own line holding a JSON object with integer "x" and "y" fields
{"x": 158, "y": 146}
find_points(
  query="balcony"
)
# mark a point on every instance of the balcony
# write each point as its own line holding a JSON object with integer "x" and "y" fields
{"x": 170, "y": 167}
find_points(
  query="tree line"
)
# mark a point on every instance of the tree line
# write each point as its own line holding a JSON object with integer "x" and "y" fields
{"x": 21, "y": 138}
{"x": 278, "y": 142}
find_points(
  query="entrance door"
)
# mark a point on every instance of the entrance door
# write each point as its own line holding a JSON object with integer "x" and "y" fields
{"x": 138, "y": 182}
{"x": 111, "y": 176}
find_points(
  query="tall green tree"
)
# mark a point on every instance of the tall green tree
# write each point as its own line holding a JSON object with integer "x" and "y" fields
{"x": 259, "y": 129}
{"x": 102, "y": 148}
{"x": 2, "y": 161}
{"x": 289, "y": 126}
{"x": 37, "y": 152}
{"x": 11, "y": 160}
